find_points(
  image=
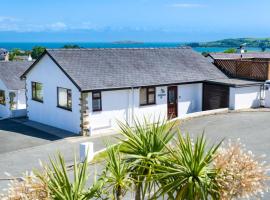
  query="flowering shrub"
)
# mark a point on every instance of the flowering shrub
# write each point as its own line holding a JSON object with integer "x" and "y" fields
{"x": 27, "y": 188}
{"x": 240, "y": 173}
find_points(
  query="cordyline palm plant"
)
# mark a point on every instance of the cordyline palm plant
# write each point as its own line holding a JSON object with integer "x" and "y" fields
{"x": 60, "y": 186}
{"x": 142, "y": 146}
{"x": 187, "y": 172}
{"x": 116, "y": 176}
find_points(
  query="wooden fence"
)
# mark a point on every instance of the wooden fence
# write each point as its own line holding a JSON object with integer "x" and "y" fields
{"x": 249, "y": 69}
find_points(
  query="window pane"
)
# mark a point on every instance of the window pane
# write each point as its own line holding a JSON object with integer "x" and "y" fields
{"x": 151, "y": 89}
{"x": 33, "y": 90}
{"x": 151, "y": 98}
{"x": 37, "y": 91}
{"x": 39, "y": 94}
{"x": 96, "y": 104}
{"x": 62, "y": 97}
{"x": 69, "y": 97}
{"x": 143, "y": 99}
{"x": 2, "y": 97}
{"x": 96, "y": 95}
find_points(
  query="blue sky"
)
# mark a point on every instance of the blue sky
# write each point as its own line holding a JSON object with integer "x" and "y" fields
{"x": 140, "y": 20}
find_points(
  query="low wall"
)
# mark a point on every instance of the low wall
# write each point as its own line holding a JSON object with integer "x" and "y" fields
{"x": 18, "y": 113}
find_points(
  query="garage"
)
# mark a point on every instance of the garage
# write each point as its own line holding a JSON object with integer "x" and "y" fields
{"x": 215, "y": 96}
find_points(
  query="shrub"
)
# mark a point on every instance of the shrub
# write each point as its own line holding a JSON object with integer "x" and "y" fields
{"x": 56, "y": 177}
{"x": 142, "y": 146}
{"x": 27, "y": 188}
{"x": 241, "y": 174}
{"x": 187, "y": 171}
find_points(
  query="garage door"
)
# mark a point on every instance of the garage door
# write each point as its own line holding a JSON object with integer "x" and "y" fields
{"x": 215, "y": 96}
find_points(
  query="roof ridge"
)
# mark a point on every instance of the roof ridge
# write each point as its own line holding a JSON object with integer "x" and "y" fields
{"x": 116, "y": 48}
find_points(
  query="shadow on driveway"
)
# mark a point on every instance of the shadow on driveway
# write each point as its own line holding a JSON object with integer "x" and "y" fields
{"x": 15, "y": 136}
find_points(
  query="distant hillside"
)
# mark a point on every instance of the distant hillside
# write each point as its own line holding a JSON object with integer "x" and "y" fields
{"x": 250, "y": 42}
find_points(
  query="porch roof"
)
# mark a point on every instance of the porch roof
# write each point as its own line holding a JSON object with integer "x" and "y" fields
{"x": 235, "y": 82}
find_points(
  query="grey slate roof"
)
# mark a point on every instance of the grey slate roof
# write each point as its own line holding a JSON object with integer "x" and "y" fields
{"x": 11, "y": 71}
{"x": 93, "y": 69}
{"x": 238, "y": 55}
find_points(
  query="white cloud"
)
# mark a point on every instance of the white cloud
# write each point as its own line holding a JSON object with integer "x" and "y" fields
{"x": 8, "y": 19}
{"x": 58, "y": 26}
{"x": 187, "y": 5}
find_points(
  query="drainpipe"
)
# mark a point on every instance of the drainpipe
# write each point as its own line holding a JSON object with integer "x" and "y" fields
{"x": 128, "y": 108}
{"x": 132, "y": 108}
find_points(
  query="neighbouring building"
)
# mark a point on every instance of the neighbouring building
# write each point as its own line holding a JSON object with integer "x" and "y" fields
{"x": 253, "y": 66}
{"x": 12, "y": 89}
{"x": 4, "y": 56}
{"x": 87, "y": 90}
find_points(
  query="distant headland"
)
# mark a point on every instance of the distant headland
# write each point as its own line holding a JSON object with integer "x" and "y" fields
{"x": 248, "y": 42}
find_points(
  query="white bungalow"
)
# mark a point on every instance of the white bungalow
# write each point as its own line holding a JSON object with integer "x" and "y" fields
{"x": 12, "y": 89}
{"x": 86, "y": 90}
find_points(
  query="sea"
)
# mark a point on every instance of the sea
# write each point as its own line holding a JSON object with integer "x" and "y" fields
{"x": 29, "y": 45}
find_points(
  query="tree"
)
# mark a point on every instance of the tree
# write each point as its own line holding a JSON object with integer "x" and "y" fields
{"x": 15, "y": 52}
{"x": 231, "y": 50}
{"x": 71, "y": 46}
{"x": 263, "y": 46}
{"x": 55, "y": 176}
{"x": 37, "y": 51}
{"x": 117, "y": 173}
{"x": 205, "y": 54}
{"x": 187, "y": 171}
{"x": 143, "y": 145}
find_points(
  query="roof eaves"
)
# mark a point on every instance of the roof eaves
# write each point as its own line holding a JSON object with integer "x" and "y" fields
{"x": 61, "y": 68}
{"x": 31, "y": 66}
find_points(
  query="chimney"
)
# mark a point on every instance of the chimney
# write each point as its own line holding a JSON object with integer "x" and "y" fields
{"x": 7, "y": 56}
{"x": 241, "y": 49}
{"x": 30, "y": 57}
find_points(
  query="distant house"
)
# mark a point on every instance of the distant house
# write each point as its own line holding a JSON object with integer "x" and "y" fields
{"x": 254, "y": 66}
{"x": 3, "y": 54}
{"x": 12, "y": 89}
{"x": 23, "y": 58}
{"x": 87, "y": 90}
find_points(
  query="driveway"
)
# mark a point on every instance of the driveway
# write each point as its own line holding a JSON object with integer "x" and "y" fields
{"x": 253, "y": 129}
{"x": 16, "y": 136}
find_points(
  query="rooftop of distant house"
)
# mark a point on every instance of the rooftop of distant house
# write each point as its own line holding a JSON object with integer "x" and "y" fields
{"x": 248, "y": 55}
{"x": 10, "y": 72}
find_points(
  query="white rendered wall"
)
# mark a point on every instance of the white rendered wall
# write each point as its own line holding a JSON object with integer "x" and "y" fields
{"x": 244, "y": 97}
{"x": 189, "y": 99}
{"x": 121, "y": 105}
{"x": 118, "y": 105}
{"x": 49, "y": 74}
{"x": 267, "y": 98}
{"x": 21, "y": 99}
{"x": 4, "y": 109}
{"x": 114, "y": 107}
{"x": 152, "y": 112}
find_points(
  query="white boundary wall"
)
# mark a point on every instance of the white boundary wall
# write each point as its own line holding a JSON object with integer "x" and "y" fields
{"x": 244, "y": 97}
